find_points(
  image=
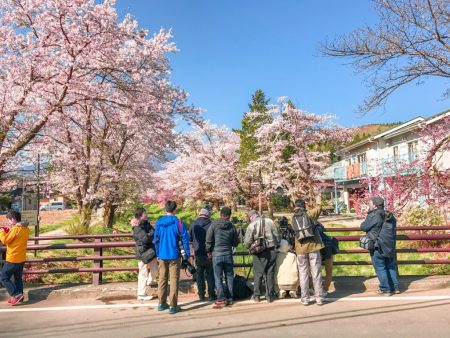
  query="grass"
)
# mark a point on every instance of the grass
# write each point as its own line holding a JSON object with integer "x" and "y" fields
{"x": 48, "y": 227}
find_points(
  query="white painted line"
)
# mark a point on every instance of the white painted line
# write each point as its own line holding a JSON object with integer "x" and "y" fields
{"x": 392, "y": 298}
{"x": 24, "y": 308}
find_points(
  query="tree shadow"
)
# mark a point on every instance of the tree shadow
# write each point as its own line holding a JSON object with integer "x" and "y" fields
{"x": 40, "y": 294}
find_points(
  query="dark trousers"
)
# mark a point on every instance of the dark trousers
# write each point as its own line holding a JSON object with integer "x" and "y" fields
{"x": 386, "y": 271}
{"x": 223, "y": 265}
{"x": 16, "y": 270}
{"x": 204, "y": 272}
{"x": 264, "y": 265}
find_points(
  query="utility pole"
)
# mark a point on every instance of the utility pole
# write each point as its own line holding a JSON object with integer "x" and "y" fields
{"x": 23, "y": 195}
{"x": 36, "y": 229}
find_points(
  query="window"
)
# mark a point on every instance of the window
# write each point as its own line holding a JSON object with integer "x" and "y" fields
{"x": 362, "y": 158}
{"x": 396, "y": 154}
{"x": 412, "y": 151}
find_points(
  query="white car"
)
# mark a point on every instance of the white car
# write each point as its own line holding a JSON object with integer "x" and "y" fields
{"x": 53, "y": 206}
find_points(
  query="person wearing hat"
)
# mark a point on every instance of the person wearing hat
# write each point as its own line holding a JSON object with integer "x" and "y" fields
{"x": 261, "y": 227}
{"x": 197, "y": 235}
{"x": 309, "y": 258}
{"x": 380, "y": 226}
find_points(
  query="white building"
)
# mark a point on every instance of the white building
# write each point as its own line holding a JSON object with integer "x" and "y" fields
{"x": 395, "y": 148}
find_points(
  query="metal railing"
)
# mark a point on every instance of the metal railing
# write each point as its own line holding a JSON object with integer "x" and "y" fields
{"x": 100, "y": 243}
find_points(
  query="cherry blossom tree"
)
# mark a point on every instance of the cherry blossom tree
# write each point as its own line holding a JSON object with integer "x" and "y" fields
{"x": 93, "y": 89}
{"x": 207, "y": 168}
{"x": 295, "y": 147}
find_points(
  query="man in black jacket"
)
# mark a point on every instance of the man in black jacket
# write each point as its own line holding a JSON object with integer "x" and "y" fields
{"x": 145, "y": 252}
{"x": 220, "y": 240}
{"x": 380, "y": 226}
{"x": 197, "y": 235}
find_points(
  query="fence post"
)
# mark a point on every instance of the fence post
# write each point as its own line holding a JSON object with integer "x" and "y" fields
{"x": 97, "y": 276}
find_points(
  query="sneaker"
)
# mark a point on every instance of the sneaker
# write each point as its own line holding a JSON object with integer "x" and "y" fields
{"x": 384, "y": 293}
{"x": 256, "y": 299}
{"x": 304, "y": 302}
{"x": 269, "y": 300}
{"x": 153, "y": 284}
{"x": 397, "y": 292}
{"x": 320, "y": 301}
{"x": 282, "y": 294}
{"x": 162, "y": 307}
{"x": 228, "y": 302}
{"x": 145, "y": 297}
{"x": 16, "y": 300}
{"x": 212, "y": 298}
{"x": 218, "y": 304}
{"x": 10, "y": 300}
{"x": 174, "y": 310}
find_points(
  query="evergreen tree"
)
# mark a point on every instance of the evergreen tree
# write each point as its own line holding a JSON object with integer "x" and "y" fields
{"x": 248, "y": 149}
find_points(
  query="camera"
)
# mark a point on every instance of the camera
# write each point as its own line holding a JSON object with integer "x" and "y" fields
{"x": 286, "y": 231}
{"x": 185, "y": 264}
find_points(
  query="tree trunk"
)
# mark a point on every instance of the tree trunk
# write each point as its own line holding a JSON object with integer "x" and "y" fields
{"x": 85, "y": 218}
{"x": 260, "y": 204}
{"x": 235, "y": 205}
{"x": 270, "y": 207}
{"x": 109, "y": 211}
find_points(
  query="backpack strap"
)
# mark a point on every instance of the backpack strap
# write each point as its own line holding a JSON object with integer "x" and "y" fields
{"x": 261, "y": 229}
{"x": 180, "y": 227}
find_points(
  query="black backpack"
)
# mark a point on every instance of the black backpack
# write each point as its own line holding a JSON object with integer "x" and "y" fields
{"x": 242, "y": 288}
{"x": 303, "y": 226}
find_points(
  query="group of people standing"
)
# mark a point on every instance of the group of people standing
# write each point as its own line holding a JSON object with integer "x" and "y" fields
{"x": 213, "y": 243}
{"x": 161, "y": 250}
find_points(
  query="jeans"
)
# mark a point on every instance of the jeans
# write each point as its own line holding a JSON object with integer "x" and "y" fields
{"x": 169, "y": 269}
{"x": 204, "y": 271}
{"x": 16, "y": 270}
{"x": 386, "y": 271}
{"x": 306, "y": 264}
{"x": 223, "y": 265}
{"x": 264, "y": 264}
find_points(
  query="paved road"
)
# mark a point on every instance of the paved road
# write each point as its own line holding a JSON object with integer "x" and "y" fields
{"x": 412, "y": 314}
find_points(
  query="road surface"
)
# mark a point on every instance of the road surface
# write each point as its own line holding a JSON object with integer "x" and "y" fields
{"x": 412, "y": 314}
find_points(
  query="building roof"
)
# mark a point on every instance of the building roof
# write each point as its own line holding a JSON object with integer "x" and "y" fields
{"x": 401, "y": 129}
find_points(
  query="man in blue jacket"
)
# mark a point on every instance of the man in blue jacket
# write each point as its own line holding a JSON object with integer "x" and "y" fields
{"x": 169, "y": 232}
{"x": 197, "y": 234}
{"x": 380, "y": 226}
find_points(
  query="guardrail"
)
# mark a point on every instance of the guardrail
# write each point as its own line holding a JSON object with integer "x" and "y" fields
{"x": 99, "y": 243}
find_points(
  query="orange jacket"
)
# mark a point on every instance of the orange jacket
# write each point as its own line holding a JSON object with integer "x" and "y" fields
{"x": 16, "y": 243}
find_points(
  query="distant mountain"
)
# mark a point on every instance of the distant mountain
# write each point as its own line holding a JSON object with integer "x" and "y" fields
{"x": 368, "y": 130}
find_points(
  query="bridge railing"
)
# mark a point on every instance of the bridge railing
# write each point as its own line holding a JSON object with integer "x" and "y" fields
{"x": 100, "y": 243}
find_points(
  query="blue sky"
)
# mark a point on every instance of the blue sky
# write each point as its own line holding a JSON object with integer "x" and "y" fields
{"x": 230, "y": 48}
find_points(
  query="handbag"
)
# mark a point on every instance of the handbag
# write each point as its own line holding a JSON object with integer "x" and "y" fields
{"x": 368, "y": 243}
{"x": 260, "y": 243}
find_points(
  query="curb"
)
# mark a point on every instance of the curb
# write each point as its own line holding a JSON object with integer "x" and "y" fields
{"x": 128, "y": 290}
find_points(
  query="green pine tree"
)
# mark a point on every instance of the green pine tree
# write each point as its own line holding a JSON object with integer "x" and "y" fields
{"x": 248, "y": 150}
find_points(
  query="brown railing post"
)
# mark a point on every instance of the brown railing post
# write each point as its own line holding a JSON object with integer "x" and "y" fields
{"x": 98, "y": 251}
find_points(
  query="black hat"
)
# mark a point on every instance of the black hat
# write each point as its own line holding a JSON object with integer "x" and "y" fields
{"x": 300, "y": 203}
{"x": 378, "y": 201}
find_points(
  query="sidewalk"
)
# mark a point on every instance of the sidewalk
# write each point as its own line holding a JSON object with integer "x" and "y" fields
{"x": 128, "y": 290}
